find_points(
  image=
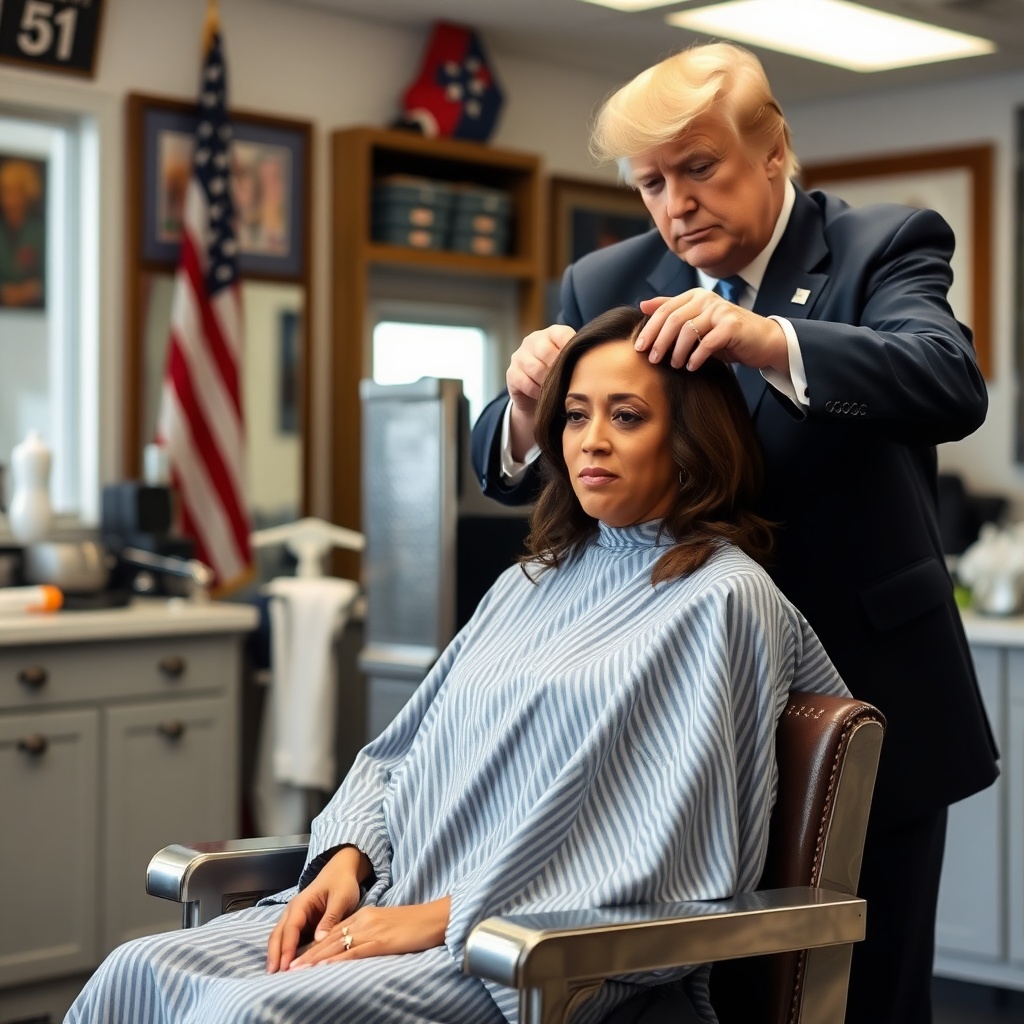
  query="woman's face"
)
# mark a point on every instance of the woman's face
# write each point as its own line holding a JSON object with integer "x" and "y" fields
{"x": 616, "y": 441}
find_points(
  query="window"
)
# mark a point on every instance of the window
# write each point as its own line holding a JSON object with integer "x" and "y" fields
{"x": 417, "y": 342}
{"x": 48, "y": 300}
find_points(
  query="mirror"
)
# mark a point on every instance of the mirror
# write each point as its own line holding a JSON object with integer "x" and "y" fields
{"x": 271, "y": 393}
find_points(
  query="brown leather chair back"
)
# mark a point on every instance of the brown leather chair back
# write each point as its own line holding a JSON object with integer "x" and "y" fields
{"x": 827, "y": 751}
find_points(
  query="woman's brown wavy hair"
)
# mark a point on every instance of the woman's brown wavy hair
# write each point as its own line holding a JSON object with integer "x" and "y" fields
{"x": 713, "y": 443}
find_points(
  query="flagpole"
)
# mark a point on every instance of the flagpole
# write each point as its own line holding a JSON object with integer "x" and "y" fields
{"x": 211, "y": 26}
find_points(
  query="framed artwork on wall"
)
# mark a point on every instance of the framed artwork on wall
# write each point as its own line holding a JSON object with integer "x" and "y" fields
{"x": 956, "y": 183}
{"x": 23, "y": 212}
{"x": 588, "y": 215}
{"x": 269, "y": 185}
{"x": 288, "y": 372}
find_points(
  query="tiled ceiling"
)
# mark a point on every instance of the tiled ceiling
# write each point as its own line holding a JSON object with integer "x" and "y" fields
{"x": 618, "y": 45}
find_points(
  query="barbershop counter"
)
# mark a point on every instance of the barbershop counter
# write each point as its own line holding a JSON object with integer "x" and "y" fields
{"x": 980, "y": 927}
{"x": 118, "y": 735}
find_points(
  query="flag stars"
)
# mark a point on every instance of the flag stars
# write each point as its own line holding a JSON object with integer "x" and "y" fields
{"x": 205, "y": 129}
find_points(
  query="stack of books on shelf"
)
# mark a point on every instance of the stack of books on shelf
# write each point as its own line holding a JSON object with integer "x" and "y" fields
{"x": 423, "y": 213}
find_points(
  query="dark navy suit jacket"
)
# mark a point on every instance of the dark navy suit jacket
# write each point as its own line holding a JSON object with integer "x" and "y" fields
{"x": 851, "y": 481}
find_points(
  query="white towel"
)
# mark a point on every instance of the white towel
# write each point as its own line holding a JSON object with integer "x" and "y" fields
{"x": 305, "y": 617}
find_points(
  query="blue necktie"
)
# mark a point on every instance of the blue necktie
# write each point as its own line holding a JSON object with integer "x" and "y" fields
{"x": 732, "y": 289}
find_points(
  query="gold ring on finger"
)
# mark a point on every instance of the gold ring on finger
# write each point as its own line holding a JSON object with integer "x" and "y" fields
{"x": 689, "y": 323}
{"x": 347, "y": 938}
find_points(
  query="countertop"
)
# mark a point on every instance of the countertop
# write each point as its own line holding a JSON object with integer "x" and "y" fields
{"x": 994, "y": 630}
{"x": 144, "y": 617}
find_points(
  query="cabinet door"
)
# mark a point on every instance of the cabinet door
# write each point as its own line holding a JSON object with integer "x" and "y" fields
{"x": 48, "y": 813}
{"x": 1013, "y": 766}
{"x": 971, "y": 899}
{"x": 171, "y": 777}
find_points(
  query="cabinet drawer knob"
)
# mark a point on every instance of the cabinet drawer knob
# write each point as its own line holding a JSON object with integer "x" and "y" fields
{"x": 34, "y": 676}
{"x": 34, "y": 745}
{"x": 172, "y": 666}
{"x": 173, "y": 730}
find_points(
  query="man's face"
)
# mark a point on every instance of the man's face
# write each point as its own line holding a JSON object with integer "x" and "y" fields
{"x": 714, "y": 199}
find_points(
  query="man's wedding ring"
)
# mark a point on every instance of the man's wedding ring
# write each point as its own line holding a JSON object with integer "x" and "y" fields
{"x": 347, "y": 938}
{"x": 689, "y": 323}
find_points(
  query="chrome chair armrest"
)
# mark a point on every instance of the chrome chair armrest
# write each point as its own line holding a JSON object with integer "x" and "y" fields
{"x": 556, "y": 959}
{"x": 211, "y": 879}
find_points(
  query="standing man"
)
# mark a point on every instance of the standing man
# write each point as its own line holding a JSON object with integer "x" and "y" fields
{"x": 854, "y": 368}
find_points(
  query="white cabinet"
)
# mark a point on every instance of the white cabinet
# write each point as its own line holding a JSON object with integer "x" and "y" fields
{"x": 980, "y": 924}
{"x": 970, "y": 920}
{"x": 171, "y": 777}
{"x": 48, "y": 813}
{"x": 118, "y": 735}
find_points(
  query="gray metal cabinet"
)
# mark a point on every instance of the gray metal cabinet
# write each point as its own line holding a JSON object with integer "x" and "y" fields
{"x": 118, "y": 735}
{"x": 980, "y": 923}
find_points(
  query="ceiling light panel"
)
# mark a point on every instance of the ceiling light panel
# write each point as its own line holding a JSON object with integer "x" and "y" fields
{"x": 632, "y": 5}
{"x": 832, "y": 32}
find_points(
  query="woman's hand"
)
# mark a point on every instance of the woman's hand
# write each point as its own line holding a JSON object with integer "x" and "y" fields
{"x": 329, "y": 898}
{"x": 380, "y": 931}
{"x": 697, "y": 324}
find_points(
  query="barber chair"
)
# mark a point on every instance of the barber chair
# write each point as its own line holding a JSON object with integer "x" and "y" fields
{"x": 785, "y": 949}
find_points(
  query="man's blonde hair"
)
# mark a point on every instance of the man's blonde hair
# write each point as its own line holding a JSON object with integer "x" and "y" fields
{"x": 660, "y": 104}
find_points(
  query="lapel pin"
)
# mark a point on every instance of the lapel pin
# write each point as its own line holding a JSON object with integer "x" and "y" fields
{"x": 800, "y": 296}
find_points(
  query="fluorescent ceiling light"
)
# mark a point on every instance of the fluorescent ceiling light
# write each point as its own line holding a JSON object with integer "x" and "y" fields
{"x": 632, "y": 5}
{"x": 833, "y": 32}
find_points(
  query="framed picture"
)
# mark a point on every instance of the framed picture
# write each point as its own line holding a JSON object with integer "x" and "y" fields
{"x": 588, "y": 215}
{"x": 22, "y": 232}
{"x": 270, "y": 167}
{"x": 288, "y": 372}
{"x": 957, "y": 183}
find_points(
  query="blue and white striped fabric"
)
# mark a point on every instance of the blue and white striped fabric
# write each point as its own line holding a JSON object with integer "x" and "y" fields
{"x": 587, "y": 741}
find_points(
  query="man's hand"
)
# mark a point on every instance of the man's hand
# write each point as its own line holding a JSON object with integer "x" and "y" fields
{"x": 689, "y": 328}
{"x": 380, "y": 931}
{"x": 328, "y": 899}
{"x": 526, "y": 374}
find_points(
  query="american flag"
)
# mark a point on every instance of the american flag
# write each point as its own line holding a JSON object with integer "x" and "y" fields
{"x": 201, "y": 422}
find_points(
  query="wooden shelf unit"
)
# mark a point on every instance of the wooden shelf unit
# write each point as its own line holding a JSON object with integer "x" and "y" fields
{"x": 360, "y": 156}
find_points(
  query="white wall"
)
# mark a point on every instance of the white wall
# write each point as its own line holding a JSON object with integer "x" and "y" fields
{"x": 946, "y": 116}
{"x": 296, "y": 62}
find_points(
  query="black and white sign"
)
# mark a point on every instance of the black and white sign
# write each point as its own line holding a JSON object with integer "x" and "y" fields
{"x": 56, "y": 35}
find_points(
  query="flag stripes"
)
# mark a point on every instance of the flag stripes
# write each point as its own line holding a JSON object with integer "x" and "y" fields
{"x": 201, "y": 415}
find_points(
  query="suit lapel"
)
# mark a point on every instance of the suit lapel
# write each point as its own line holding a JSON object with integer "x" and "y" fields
{"x": 790, "y": 288}
{"x": 671, "y": 276}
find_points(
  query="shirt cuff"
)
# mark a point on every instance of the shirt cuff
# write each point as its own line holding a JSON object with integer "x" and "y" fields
{"x": 511, "y": 471}
{"x": 794, "y": 384}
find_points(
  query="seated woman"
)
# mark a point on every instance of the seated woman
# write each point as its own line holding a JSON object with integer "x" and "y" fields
{"x": 600, "y": 733}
